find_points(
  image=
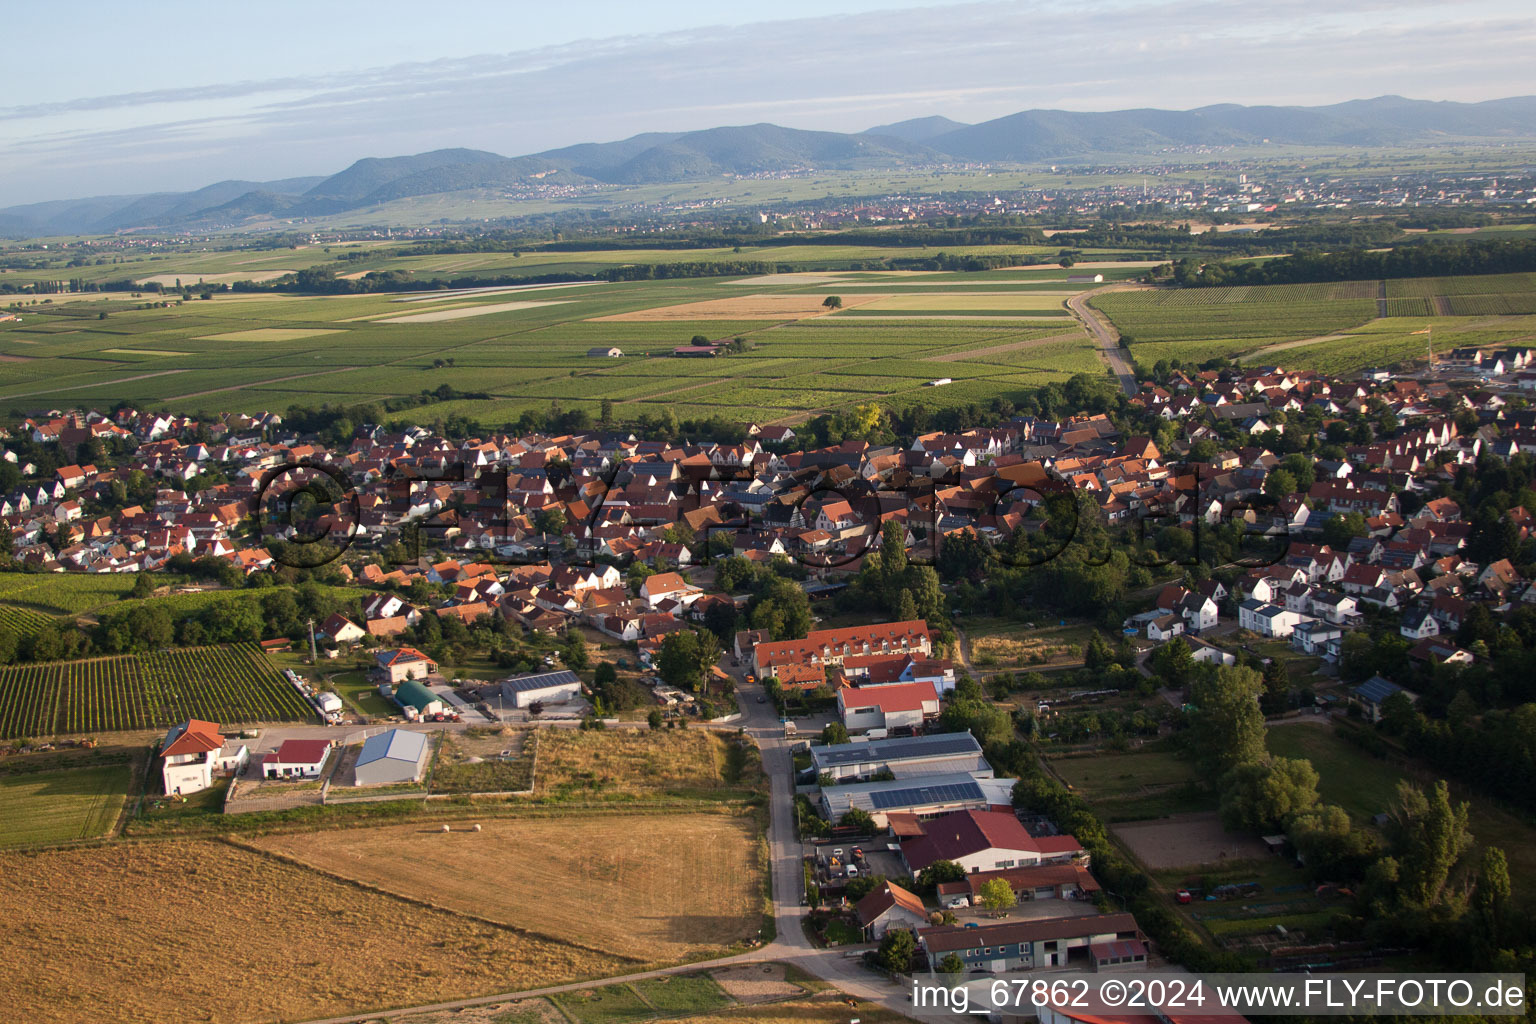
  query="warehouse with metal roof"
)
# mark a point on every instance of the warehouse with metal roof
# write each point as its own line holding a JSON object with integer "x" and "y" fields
{"x": 546, "y": 687}
{"x": 925, "y": 796}
{"x": 392, "y": 757}
{"x": 905, "y": 757}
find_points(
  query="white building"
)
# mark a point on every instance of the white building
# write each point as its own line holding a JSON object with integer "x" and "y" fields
{"x": 193, "y": 752}
{"x": 544, "y": 687}
{"x": 391, "y": 757}
{"x": 1267, "y": 619}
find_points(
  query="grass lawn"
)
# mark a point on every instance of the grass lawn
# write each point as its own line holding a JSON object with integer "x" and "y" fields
{"x": 611, "y": 1004}
{"x": 841, "y": 933}
{"x": 1347, "y": 775}
{"x": 52, "y": 807}
{"x": 1127, "y": 787}
{"x": 683, "y": 993}
{"x": 356, "y": 688}
{"x": 1365, "y": 786}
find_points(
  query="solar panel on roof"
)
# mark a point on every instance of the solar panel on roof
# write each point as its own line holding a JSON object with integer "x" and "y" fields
{"x": 925, "y": 795}
{"x": 896, "y": 749}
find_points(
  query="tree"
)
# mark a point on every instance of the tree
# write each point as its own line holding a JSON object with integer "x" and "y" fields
{"x": 1173, "y": 662}
{"x": 574, "y": 654}
{"x": 1097, "y": 653}
{"x": 896, "y": 950}
{"x": 857, "y": 817}
{"x": 1491, "y": 897}
{"x": 1227, "y": 728}
{"x": 1339, "y": 530}
{"x": 143, "y": 586}
{"x": 654, "y": 719}
{"x": 996, "y": 895}
{"x": 834, "y": 733}
{"x": 1280, "y": 483}
{"x": 939, "y": 871}
{"x": 858, "y": 888}
{"x": 1262, "y": 796}
{"x": 536, "y": 708}
{"x": 686, "y": 656}
{"x": 1277, "y": 688}
{"x": 1428, "y": 835}
{"x": 951, "y": 964}
{"x": 832, "y": 302}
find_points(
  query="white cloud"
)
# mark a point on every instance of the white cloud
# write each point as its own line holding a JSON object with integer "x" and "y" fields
{"x": 846, "y": 72}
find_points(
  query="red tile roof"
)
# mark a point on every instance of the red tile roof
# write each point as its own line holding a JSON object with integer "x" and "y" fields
{"x": 962, "y": 833}
{"x": 300, "y": 752}
{"x": 195, "y": 737}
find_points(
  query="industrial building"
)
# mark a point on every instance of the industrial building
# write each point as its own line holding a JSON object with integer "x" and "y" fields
{"x": 904, "y": 757}
{"x": 392, "y": 757}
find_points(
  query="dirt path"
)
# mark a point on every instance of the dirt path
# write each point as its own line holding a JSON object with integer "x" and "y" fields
{"x": 1013, "y": 346}
{"x": 251, "y": 384}
{"x": 1104, "y": 333}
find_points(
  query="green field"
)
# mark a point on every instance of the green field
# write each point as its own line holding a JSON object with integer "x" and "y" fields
{"x": 60, "y": 806}
{"x": 1365, "y": 786}
{"x": 527, "y": 350}
{"x": 1130, "y": 787}
{"x": 228, "y": 685}
{"x": 1332, "y": 328}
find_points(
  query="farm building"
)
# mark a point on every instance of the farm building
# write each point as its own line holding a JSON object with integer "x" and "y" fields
{"x": 546, "y": 687}
{"x": 890, "y": 906}
{"x": 296, "y": 759}
{"x": 391, "y": 757}
{"x": 1025, "y": 945}
{"x": 904, "y": 757}
{"x": 405, "y": 663}
{"x": 696, "y": 351}
{"x": 605, "y": 352}
{"x": 412, "y": 694}
{"x": 1085, "y": 278}
{"x": 193, "y": 751}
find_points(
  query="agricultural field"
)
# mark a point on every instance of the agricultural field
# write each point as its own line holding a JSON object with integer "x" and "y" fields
{"x": 1332, "y": 328}
{"x": 251, "y": 352}
{"x": 228, "y": 685}
{"x": 101, "y": 934}
{"x": 676, "y": 885}
{"x": 63, "y": 805}
{"x": 624, "y": 763}
{"x": 62, "y": 593}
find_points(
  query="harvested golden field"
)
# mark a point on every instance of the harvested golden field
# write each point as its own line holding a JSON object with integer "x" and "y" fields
{"x": 202, "y": 931}
{"x": 669, "y": 885}
{"x": 740, "y": 307}
{"x": 573, "y": 762}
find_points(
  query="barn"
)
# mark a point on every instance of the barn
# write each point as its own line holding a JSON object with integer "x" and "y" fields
{"x": 546, "y": 687}
{"x": 391, "y": 757}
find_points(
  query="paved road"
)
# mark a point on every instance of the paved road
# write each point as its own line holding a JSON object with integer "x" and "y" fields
{"x": 1104, "y": 333}
{"x": 791, "y": 945}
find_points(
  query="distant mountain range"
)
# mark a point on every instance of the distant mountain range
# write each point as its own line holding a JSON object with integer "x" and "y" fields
{"x": 1028, "y": 137}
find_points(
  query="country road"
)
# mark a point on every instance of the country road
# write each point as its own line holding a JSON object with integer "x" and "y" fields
{"x": 1104, "y": 333}
{"x": 791, "y": 944}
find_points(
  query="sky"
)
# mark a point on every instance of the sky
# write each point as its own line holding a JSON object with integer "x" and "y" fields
{"x": 105, "y": 102}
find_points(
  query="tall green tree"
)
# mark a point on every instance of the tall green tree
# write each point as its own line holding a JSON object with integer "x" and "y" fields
{"x": 1227, "y": 727}
{"x": 1429, "y": 836}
